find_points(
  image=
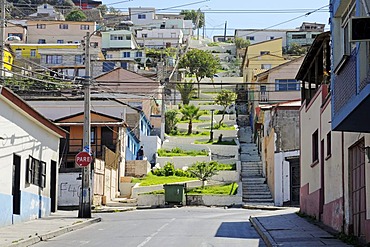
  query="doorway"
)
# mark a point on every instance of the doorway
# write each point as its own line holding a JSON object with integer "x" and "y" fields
{"x": 16, "y": 182}
{"x": 295, "y": 181}
{"x": 358, "y": 188}
{"x": 53, "y": 186}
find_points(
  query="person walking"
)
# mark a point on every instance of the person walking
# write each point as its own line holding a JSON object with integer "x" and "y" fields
{"x": 140, "y": 153}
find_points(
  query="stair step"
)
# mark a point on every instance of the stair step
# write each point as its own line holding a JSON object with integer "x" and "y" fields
{"x": 268, "y": 197}
{"x": 258, "y": 200}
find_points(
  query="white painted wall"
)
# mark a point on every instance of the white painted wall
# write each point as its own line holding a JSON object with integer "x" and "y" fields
{"x": 282, "y": 177}
{"x": 24, "y": 136}
{"x": 69, "y": 189}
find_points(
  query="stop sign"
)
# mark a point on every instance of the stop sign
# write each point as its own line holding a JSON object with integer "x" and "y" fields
{"x": 83, "y": 159}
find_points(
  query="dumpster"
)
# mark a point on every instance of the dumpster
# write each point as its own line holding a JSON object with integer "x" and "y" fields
{"x": 174, "y": 194}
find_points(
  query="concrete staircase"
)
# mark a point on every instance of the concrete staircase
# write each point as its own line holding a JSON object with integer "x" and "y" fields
{"x": 255, "y": 189}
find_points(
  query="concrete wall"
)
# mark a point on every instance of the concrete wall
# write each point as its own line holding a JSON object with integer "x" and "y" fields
{"x": 24, "y": 136}
{"x": 192, "y": 200}
{"x": 69, "y": 189}
{"x": 226, "y": 176}
{"x": 151, "y": 144}
{"x": 182, "y": 161}
{"x": 137, "y": 168}
{"x": 73, "y": 34}
{"x": 269, "y": 144}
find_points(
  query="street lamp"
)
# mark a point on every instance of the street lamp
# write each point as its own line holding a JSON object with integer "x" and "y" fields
{"x": 211, "y": 133}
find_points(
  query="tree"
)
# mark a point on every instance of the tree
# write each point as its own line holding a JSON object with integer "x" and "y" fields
{"x": 225, "y": 98}
{"x": 186, "y": 90}
{"x": 296, "y": 49}
{"x": 193, "y": 15}
{"x": 103, "y": 9}
{"x": 76, "y": 15}
{"x": 241, "y": 43}
{"x": 201, "y": 64}
{"x": 203, "y": 171}
{"x": 190, "y": 112}
{"x": 171, "y": 120}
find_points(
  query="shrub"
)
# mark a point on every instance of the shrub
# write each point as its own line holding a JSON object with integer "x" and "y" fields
{"x": 169, "y": 169}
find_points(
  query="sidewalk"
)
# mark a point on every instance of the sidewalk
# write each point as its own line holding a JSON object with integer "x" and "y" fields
{"x": 61, "y": 222}
{"x": 284, "y": 228}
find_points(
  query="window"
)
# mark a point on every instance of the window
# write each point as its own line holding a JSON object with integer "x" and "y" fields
{"x": 328, "y": 144}
{"x": 53, "y": 59}
{"x": 109, "y": 56}
{"x": 36, "y": 172}
{"x": 63, "y": 26}
{"x": 287, "y": 85}
{"x": 33, "y": 53}
{"x": 93, "y": 135}
{"x": 108, "y": 66}
{"x": 60, "y": 41}
{"x": 79, "y": 59}
{"x": 263, "y": 90}
{"x": 18, "y": 53}
{"x": 141, "y": 16}
{"x": 144, "y": 35}
{"x": 41, "y": 26}
{"x": 298, "y": 36}
{"x": 84, "y": 27}
{"x": 126, "y": 54}
{"x": 42, "y": 41}
{"x": 313, "y": 36}
{"x": 347, "y": 48}
{"x": 139, "y": 54}
{"x": 272, "y": 37}
{"x": 315, "y": 147}
{"x": 250, "y": 38}
{"x": 266, "y": 66}
{"x": 116, "y": 37}
{"x": 264, "y": 52}
{"x": 19, "y": 35}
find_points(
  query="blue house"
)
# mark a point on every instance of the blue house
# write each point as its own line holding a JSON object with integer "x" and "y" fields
{"x": 350, "y": 100}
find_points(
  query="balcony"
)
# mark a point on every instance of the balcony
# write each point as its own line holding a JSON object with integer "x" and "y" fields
{"x": 70, "y": 148}
{"x": 351, "y": 96}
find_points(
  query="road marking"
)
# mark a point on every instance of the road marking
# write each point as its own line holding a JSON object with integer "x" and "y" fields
{"x": 155, "y": 233}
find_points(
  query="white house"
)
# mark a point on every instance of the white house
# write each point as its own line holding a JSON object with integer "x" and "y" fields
{"x": 159, "y": 38}
{"x": 29, "y": 145}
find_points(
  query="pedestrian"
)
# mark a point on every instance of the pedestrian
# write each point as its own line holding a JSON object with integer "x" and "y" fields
{"x": 140, "y": 153}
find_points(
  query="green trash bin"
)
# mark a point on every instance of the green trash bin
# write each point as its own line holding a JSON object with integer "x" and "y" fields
{"x": 174, "y": 194}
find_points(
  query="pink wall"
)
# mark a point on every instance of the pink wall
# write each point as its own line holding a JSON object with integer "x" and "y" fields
{"x": 310, "y": 203}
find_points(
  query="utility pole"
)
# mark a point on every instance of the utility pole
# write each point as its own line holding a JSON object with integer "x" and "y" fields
{"x": 225, "y": 31}
{"x": 85, "y": 197}
{"x": 2, "y": 37}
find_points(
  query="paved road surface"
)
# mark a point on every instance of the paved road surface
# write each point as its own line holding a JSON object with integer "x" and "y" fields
{"x": 175, "y": 227}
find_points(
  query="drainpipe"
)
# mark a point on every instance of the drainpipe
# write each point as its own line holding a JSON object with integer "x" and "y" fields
{"x": 343, "y": 201}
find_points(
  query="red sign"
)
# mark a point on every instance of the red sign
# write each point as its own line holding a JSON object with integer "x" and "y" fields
{"x": 83, "y": 159}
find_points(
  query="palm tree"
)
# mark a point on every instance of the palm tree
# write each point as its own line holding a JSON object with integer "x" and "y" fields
{"x": 190, "y": 112}
{"x": 186, "y": 90}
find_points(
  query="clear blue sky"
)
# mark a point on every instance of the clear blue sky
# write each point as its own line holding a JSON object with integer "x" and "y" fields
{"x": 289, "y": 9}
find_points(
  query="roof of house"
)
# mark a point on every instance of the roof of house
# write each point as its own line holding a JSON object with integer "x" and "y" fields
{"x": 104, "y": 119}
{"x": 265, "y": 73}
{"x": 120, "y": 80}
{"x": 18, "y": 102}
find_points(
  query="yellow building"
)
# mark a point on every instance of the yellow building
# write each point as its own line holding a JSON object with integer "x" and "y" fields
{"x": 262, "y": 56}
{"x": 32, "y": 51}
{"x": 8, "y": 59}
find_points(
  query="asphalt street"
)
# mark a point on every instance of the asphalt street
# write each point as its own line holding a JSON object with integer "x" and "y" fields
{"x": 175, "y": 227}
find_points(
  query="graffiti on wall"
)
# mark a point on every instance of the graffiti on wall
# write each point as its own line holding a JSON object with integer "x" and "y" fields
{"x": 69, "y": 189}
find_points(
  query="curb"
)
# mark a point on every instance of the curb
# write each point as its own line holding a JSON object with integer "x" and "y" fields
{"x": 112, "y": 210}
{"x": 56, "y": 233}
{"x": 261, "y": 207}
{"x": 265, "y": 235}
